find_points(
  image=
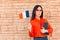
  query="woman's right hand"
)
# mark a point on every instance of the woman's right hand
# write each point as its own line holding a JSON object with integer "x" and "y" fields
{"x": 29, "y": 27}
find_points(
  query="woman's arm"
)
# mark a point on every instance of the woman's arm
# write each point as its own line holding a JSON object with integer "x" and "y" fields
{"x": 50, "y": 29}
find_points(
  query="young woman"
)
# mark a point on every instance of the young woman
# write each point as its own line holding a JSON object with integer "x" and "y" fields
{"x": 37, "y": 30}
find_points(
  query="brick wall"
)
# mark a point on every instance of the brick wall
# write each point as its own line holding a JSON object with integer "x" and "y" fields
{"x": 12, "y": 27}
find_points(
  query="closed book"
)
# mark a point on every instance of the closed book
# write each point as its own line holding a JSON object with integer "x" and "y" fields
{"x": 45, "y": 25}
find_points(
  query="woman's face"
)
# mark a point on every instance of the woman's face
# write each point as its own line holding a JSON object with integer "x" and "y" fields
{"x": 38, "y": 11}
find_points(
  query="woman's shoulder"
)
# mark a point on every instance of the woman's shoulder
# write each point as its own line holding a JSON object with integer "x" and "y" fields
{"x": 44, "y": 19}
{"x": 31, "y": 21}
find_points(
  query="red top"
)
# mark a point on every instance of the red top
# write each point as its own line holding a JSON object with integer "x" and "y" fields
{"x": 36, "y": 28}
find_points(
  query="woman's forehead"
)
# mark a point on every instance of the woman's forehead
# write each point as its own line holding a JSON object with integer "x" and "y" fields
{"x": 39, "y": 8}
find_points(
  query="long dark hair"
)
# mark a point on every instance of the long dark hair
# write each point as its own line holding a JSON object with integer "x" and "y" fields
{"x": 34, "y": 12}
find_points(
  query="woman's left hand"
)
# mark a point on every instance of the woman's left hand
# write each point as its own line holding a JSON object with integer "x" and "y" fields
{"x": 43, "y": 30}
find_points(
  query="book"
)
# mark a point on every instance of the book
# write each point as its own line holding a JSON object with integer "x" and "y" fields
{"x": 45, "y": 25}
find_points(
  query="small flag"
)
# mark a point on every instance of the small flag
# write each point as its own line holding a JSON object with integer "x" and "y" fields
{"x": 24, "y": 14}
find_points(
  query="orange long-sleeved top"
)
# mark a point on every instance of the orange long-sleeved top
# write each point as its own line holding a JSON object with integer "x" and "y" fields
{"x": 36, "y": 28}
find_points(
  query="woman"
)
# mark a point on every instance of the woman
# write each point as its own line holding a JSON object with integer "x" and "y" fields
{"x": 37, "y": 30}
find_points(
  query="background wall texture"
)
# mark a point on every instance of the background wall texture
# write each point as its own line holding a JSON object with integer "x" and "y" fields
{"x": 12, "y": 27}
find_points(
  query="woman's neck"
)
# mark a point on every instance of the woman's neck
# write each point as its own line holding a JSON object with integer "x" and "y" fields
{"x": 38, "y": 18}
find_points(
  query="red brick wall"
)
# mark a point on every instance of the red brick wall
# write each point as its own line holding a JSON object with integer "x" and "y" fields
{"x": 12, "y": 28}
